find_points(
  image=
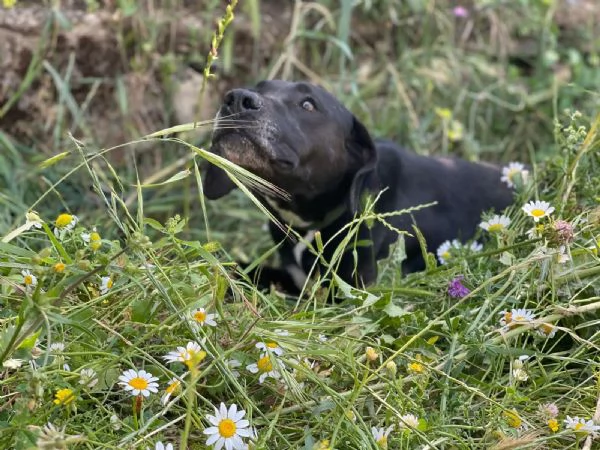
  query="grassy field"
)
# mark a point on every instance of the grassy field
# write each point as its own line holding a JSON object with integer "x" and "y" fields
{"x": 123, "y": 327}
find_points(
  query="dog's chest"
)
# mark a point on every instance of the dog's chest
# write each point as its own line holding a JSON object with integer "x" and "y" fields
{"x": 296, "y": 269}
{"x": 289, "y": 217}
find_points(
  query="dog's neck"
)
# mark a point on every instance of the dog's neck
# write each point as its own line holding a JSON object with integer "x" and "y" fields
{"x": 296, "y": 221}
{"x": 313, "y": 213}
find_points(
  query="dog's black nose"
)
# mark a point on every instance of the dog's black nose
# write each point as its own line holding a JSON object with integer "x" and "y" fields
{"x": 241, "y": 100}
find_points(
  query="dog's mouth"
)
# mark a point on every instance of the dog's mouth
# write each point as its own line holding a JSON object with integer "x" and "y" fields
{"x": 251, "y": 144}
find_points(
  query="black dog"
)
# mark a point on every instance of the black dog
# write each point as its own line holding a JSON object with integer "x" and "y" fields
{"x": 302, "y": 139}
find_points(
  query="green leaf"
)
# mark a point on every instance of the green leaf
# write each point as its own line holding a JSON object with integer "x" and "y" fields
{"x": 29, "y": 342}
{"x": 393, "y": 310}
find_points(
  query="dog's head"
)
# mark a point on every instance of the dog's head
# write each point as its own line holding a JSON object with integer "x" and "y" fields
{"x": 296, "y": 135}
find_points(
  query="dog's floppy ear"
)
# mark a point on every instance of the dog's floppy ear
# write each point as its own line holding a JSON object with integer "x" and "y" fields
{"x": 216, "y": 183}
{"x": 363, "y": 157}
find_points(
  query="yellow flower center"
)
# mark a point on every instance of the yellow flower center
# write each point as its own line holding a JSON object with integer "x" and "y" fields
{"x": 324, "y": 445}
{"x": 59, "y": 267}
{"x": 508, "y": 317}
{"x": 578, "y": 426}
{"x": 446, "y": 255}
{"x": 172, "y": 387}
{"x": 443, "y": 113}
{"x": 371, "y": 354}
{"x": 227, "y": 428}
{"x": 95, "y": 241}
{"x": 538, "y": 212}
{"x": 416, "y": 367}
{"x": 64, "y": 397}
{"x": 200, "y": 316}
{"x": 520, "y": 319}
{"x": 194, "y": 358}
{"x": 495, "y": 227}
{"x": 513, "y": 419}
{"x": 511, "y": 173}
{"x": 138, "y": 383}
{"x": 553, "y": 425}
{"x": 109, "y": 283}
{"x": 264, "y": 364}
{"x": 382, "y": 442}
{"x": 28, "y": 279}
{"x": 63, "y": 220}
{"x": 546, "y": 328}
{"x": 272, "y": 345}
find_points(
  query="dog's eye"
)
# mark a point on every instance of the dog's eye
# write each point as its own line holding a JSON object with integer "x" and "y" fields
{"x": 308, "y": 104}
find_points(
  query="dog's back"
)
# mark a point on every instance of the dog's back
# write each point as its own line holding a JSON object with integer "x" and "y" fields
{"x": 463, "y": 190}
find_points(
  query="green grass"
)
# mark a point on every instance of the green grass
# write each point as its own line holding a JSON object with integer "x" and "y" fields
{"x": 415, "y": 73}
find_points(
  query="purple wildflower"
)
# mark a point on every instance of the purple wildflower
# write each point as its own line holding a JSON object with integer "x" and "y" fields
{"x": 564, "y": 231}
{"x": 456, "y": 289}
{"x": 460, "y": 11}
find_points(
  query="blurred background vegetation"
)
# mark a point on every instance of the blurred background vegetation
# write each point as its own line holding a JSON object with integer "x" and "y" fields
{"x": 483, "y": 79}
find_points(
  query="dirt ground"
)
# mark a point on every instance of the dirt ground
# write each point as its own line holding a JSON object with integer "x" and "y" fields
{"x": 114, "y": 74}
{"x": 111, "y": 77}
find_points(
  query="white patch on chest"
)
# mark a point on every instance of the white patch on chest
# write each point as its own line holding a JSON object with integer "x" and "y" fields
{"x": 301, "y": 246}
{"x": 296, "y": 271}
{"x": 289, "y": 217}
{"x": 298, "y": 275}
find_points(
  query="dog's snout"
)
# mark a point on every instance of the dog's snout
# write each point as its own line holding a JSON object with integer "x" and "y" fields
{"x": 241, "y": 100}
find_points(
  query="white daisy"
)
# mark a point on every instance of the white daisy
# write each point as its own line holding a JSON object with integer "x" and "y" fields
{"x": 581, "y": 425}
{"x": 173, "y": 386}
{"x": 538, "y": 209}
{"x": 511, "y": 171}
{"x": 444, "y": 251}
{"x": 475, "y": 246}
{"x": 270, "y": 347}
{"x": 233, "y": 364}
{"x": 64, "y": 223}
{"x": 264, "y": 366}
{"x": 160, "y": 446}
{"x": 228, "y": 428}
{"x": 105, "y": 285}
{"x": 495, "y": 224}
{"x": 522, "y": 316}
{"x": 322, "y": 338}
{"x": 138, "y": 382}
{"x": 13, "y": 363}
{"x": 93, "y": 239}
{"x": 409, "y": 421}
{"x": 546, "y": 330}
{"x": 88, "y": 377}
{"x": 381, "y": 434}
{"x": 535, "y": 232}
{"x": 33, "y": 220}
{"x": 515, "y": 317}
{"x": 201, "y": 317}
{"x": 183, "y": 354}
{"x": 29, "y": 279}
